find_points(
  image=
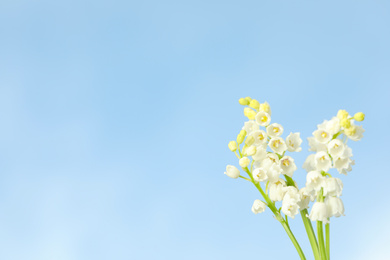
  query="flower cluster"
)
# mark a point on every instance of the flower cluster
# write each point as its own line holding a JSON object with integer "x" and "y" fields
{"x": 263, "y": 157}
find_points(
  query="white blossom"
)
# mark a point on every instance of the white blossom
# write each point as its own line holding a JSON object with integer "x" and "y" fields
{"x": 344, "y": 163}
{"x": 293, "y": 142}
{"x": 276, "y": 190}
{"x": 274, "y": 172}
{"x": 308, "y": 165}
{"x": 263, "y": 118}
{"x": 274, "y": 130}
{"x": 330, "y": 126}
{"x": 250, "y": 151}
{"x": 314, "y": 181}
{"x": 333, "y": 187}
{"x": 322, "y": 136}
{"x": 358, "y": 133}
{"x": 260, "y": 138}
{"x": 260, "y": 154}
{"x": 290, "y": 202}
{"x": 335, "y": 206}
{"x": 277, "y": 145}
{"x": 250, "y": 126}
{"x": 319, "y": 212}
{"x": 306, "y": 197}
{"x": 259, "y": 174}
{"x": 336, "y": 147}
{"x": 288, "y": 165}
{"x": 315, "y": 146}
{"x": 232, "y": 171}
{"x": 258, "y": 206}
{"x": 322, "y": 161}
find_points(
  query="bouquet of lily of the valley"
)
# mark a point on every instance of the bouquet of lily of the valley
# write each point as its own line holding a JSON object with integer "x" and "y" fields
{"x": 261, "y": 152}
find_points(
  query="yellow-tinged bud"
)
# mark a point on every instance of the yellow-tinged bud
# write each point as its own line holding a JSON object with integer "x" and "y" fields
{"x": 359, "y": 116}
{"x": 342, "y": 114}
{"x": 243, "y": 101}
{"x": 350, "y": 131}
{"x": 254, "y": 104}
{"x": 249, "y": 113}
{"x": 249, "y": 140}
{"x": 265, "y": 107}
{"x": 345, "y": 123}
{"x": 240, "y": 138}
{"x": 232, "y": 146}
{"x": 243, "y": 132}
{"x": 249, "y": 99}
{"x": 250, "y": 151}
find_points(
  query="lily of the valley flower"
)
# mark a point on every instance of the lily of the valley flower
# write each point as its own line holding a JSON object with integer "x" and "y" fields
{"x": 274, "y": 130}
{"x": 322, "y": 161}
{"x": 263, "y": 118}
{"x": 314, "y": 181}
{"x": 260, "y": 174}
{"x": 277, "y": 145}
{"x": 293, "y": 142}
{"x": 276, "y": 190}
{"x": 244, "y": 162}
{"x": 335, "y": 207}
{"x": 288, "y": 165}
{"x": 319, "y": 212}
{"x": 232, "y": 171}
{"x": 336, "y": 147}
{"x": 333, "y": 187}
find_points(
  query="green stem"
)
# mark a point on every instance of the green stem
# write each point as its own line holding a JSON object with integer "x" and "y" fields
{"x": 321, "y": 243}
{"x": 310, "y": 233}
{"x": 327, "y": 232}
{"x": 278, "y": 216}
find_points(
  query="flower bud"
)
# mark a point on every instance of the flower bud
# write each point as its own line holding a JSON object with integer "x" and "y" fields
{"x": 350, "y": 131}
{"x": 243, "y": 132}
{"x": 249, "y": 140}
{"x": 244, "y": 162}
{"x": 240, "y": 138}
{"x": 359, "y": 116}
{"x": 251, "y": 150}
{"x": 232, "y": 172}
{"x": 254, "y": 104}
{"x": 342, "y": 114}
{"x": 249, "y": 113}
{"x": 243, "y": 101}
{"x": 258, "y": 206}
{"x": 248, "y": 99}
{"x": 232, "y": 146}
{"x": 265, "y": 107}
{"x": 345, "y": 123}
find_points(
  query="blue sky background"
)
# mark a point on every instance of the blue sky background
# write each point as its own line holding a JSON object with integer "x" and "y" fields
{"x": 115, "y": 118}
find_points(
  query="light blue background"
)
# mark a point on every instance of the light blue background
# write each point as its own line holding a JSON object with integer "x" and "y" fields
{"x": 115, "y": 118}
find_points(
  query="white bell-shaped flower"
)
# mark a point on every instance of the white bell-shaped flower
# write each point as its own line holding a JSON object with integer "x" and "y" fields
{"x": 250, "y": 126}
{"x": 344, "y": 163}
{"x": 322, "y": 136}
{"x": 293, "y": 142}
{"x": 259, "y": 174}
{"x": 322, "y": 161}
{"x": 314, "y": 181}
{"x": 274, "y": 172}
{"x": 358, "y": 133}
{"x": 263, "y": 118}
{"x": 232, "y": 171}
{"x": 277, "y": 145}
{"x": 315, "y": 146}
{"x": 276, "y": 190}
{"x": 330, "y": 126}
{"x": 319, "y": 212}
{"x": 336, "y": 147}
{"x": 333, "y": 187}
{"x": 306, "y": 197}
{"x": 274, "y": 130}
{"x": 260, "y": 138}
{"x": 288, "y": 165}
{"x": 258, "y": 206}
{"x": 308, "y": 165}
{"x": 291, "y": 198}
{"x": 335, "y": 206}
{"x": 260, "y": 154}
